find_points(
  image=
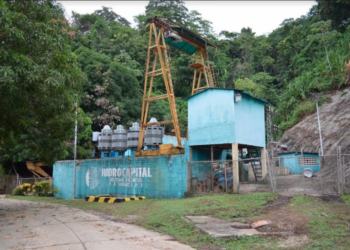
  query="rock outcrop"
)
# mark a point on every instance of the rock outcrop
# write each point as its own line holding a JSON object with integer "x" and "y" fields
{"x": 335, "y": 124}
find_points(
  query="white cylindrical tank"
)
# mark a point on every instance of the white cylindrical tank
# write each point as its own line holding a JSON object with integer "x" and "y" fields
{"x": 105, "y": 139}
{"x": 133, "y": 135}
{"x": 153, "y": 135}
{"x": 119, "y": 138}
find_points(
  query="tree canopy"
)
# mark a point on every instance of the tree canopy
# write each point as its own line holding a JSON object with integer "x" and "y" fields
{"x": 99, "y": 59}
{"x": 39, "y": 81}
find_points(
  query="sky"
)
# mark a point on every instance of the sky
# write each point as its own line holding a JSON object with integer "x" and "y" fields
{"x": 262, "y": 16}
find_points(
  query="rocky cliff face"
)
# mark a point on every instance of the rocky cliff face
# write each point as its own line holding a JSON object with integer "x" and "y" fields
{"x": 335, "y": 124}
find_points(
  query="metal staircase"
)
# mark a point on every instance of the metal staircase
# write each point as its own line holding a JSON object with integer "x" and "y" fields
{"x": 257, "y": 169}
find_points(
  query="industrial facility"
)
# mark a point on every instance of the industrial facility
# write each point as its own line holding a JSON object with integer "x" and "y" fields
{"x": 224, "y": 127}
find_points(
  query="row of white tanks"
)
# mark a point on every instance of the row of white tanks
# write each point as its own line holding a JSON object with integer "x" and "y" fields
{"x": 120, "y": 139}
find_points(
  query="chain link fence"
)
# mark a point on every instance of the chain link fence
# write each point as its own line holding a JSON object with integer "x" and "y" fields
{"x": 33, "y": 180}
{"x": 329, "y": 174}
{"x": 217, "y": 176}
{"x": 3, "y": 180}
{"x": 346, "y": 172}
{"x": 293, "y": 174}
{"x": 13, "y": 181}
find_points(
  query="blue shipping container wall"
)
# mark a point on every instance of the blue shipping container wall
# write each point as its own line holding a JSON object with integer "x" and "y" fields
{"x": 153, "y": 177}
{"x": 215, "y": 118}
{"x": 291, "y": 161}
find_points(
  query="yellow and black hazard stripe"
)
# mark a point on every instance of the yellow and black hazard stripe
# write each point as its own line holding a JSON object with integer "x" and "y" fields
{"x": 112, "y": 199}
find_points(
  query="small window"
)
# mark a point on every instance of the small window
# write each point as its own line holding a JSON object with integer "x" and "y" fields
{"x": 307, "y": 161}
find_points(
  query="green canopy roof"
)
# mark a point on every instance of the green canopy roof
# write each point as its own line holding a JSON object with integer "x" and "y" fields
{"x": 191, "y": 41}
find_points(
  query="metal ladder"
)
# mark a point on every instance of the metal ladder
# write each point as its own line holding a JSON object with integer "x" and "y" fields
{"x": 257, "y": 169}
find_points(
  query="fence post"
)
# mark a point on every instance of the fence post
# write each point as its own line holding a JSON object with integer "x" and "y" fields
{"x": 189, "y": 177}
{"x": 321, "y": 173}
{"x": 303, "y": 165}
{"x": 340, "y": 174}
{"x": 263, "y": 163}
{"x": 273, "y": 171}
{"x": 342, "y": 171}
{"x": 212, "y": 167}
{"x": 225, "y": 177}
{"x": 346, "y": 190}
{"x": 7, "y": 185}
{"x": 272, "y": 181}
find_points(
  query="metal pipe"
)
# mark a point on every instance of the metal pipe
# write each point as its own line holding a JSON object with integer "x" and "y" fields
{"x": 319, "y": 127}
{"x": 75, "y": 147}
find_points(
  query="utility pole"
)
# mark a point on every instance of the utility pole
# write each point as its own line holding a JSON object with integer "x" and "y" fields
{"x": 319, "y": 127}
{"x": 75, "y": 146}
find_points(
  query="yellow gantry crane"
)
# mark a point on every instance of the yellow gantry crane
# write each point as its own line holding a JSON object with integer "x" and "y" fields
{"x": 162, "y": 32}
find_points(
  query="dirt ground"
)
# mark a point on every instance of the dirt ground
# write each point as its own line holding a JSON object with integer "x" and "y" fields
{"x": 290, "y": 227}
{"x": 291, "y": 185}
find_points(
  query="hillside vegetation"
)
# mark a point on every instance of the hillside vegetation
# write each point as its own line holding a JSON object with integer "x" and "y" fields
{"x": 99, "y": 59}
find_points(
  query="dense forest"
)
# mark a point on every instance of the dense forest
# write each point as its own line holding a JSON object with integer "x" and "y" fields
{"x": 98, "y": 60}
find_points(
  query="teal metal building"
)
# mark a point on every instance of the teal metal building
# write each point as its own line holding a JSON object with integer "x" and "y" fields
{"x": 297, "y": 162}
{"x": 222, "y": 125}
{"x": 226, "y": 116}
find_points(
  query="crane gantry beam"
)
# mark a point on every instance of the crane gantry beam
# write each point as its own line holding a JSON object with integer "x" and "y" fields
{"x": 162, "y": 32}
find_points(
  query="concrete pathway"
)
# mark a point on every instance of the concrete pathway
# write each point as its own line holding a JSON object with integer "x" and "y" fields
{"x": 32, "y": 225}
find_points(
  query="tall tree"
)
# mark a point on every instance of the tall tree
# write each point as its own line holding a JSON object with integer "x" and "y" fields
{"x": 175, "y": 10}
{"x": 39, "y": 81}
{"x": 338, "y": 11}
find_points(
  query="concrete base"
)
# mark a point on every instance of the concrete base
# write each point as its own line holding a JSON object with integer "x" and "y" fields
{"x": 219, "y": 228}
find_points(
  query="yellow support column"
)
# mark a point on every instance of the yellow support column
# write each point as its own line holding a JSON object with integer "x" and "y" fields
{"x": 160, "y": 68}
{"x": 202, "y": 66}
{"x": 235, "y": 168}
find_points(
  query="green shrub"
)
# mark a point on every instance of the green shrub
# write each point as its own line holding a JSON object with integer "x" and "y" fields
{"x": 16, "y": 191}
{"x": 42, "y": 188}
{"x": 23, "y": 189}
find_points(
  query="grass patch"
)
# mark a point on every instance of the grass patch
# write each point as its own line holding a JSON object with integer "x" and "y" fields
{"x": 166, "y": 216}
{"x": 328, "y": 224}
{"x": 346, "y": 199}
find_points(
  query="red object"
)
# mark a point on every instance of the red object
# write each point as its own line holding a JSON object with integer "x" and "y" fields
{"x": 260, "y": 223}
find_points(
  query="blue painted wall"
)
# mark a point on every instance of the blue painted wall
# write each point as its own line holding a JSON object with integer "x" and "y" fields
{"x": 204, "y": 154}
{"x": 211, "y": 117}
{"x": 291, "y": 161}
{"x": 154, "y": 177}
{"x": 214, "y": 118}
{"x": 250, "y": 122}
